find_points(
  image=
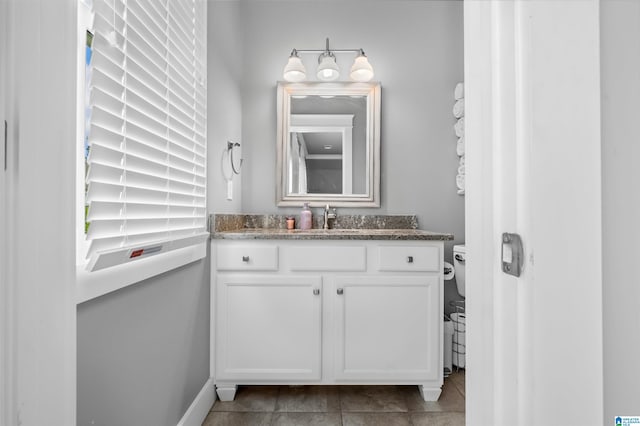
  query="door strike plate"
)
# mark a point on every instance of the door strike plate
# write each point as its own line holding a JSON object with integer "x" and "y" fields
{"x": 512, "y": 254}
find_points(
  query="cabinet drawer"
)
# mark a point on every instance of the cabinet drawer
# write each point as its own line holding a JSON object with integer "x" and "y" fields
{"x": 327, "y": 258}
{"x": 409, "y": 258}
{"x": 247, "y": 258}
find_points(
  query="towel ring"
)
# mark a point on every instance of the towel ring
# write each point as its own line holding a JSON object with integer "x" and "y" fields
{"x": 230, "y": 147}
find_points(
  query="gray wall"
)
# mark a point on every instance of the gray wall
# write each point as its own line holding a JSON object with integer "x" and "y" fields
{"x": 143, "y": 351}
{"x": 324, "y": 176}
{"x": 416, "y": 50}
{"x": 224, "y": 111}
{"x": 620, "y": 85}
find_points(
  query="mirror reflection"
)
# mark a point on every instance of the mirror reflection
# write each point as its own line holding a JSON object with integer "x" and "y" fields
{"x": 329, "y": 147}
{"x": 316, "y": 163}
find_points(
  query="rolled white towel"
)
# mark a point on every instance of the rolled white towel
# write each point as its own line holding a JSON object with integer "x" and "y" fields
{"x": 460, "y": 147}
{"x": 462, "y": 160}
{"x": 459, "y": 127}
{"x": 458, "y": 108}
{"x": 460, "y": 181}
{"x": 460, "y": 191}
{"x": 461, "y": 170}
{"x": 458, "y": 92}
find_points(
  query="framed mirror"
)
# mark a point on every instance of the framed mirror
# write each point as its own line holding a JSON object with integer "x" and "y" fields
{"x": 328, "y": 138}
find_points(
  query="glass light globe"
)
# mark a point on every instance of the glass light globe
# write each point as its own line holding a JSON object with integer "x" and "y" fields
{"x": 328, "y": 69}
{"x": 361, "y": 70}
{"x": 294, "y": 71}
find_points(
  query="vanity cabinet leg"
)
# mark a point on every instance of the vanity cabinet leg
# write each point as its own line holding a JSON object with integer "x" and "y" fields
{"x": 226, "y": 392}
{"x": 429, "y": 393}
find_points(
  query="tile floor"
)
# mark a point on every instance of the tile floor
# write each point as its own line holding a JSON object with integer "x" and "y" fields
{"x": 341, "y": 405}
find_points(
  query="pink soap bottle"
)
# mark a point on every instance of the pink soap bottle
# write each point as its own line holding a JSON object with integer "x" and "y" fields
{"x": 305, "y": 217}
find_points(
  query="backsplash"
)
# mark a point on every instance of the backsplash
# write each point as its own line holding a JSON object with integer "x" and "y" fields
{"x": 229, "y": 222}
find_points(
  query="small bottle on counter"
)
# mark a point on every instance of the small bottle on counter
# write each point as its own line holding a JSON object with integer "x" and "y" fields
{"x": 305, "y": 217}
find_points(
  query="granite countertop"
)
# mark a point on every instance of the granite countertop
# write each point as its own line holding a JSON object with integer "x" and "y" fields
{"x": 350, "y": 227}
{"x": 331, "y": 234}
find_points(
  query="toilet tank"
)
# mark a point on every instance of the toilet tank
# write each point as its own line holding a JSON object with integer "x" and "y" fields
{"x": 459, "y": 261}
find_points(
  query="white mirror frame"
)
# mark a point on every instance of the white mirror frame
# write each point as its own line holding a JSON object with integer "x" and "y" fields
{"x": 372, "y": 92}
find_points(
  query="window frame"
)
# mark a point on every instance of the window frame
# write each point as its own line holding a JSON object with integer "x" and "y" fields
{"x": 91, "y": 284}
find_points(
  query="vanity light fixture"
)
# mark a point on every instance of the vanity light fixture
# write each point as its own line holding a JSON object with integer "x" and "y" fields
{"x": 328, "y": 69}
{"x": 294, "y": 71}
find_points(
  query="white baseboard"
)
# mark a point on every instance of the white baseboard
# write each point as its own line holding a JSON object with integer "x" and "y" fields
{"x": 199, "y": 408}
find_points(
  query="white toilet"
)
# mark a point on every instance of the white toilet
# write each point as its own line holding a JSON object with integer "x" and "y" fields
{"x": 459, "y": 258}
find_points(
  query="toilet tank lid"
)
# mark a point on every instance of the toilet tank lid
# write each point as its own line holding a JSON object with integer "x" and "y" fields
{"x": 460, "y": 248}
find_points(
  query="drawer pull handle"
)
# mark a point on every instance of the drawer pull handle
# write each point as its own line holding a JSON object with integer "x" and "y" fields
{"x": 316, "y": 291}
{"x": 340, "y": 291}
{"x": 409, "y": 259}
{"x": 245, "y": 258}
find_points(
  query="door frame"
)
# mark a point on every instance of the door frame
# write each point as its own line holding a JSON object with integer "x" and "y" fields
{"x": 5, "y": 324}
{"x": 480, "y": 398}
{"x": 565, "y": 273}
{"x": 37, "y": 283}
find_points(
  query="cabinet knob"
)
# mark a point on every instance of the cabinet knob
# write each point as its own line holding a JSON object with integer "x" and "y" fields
{"x": 340, "y": 291}
{"x": 316, "y": 291}
{"x": 409, "y": 259}
{"x": 245, "y": 258}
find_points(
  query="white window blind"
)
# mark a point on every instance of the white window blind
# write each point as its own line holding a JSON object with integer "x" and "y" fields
{"x": 146, "y": 162}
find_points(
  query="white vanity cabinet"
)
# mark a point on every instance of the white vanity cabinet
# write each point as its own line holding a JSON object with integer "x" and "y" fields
{"x": 327, "y": 312}
{"x": 385, "y": 328}
{"x": 269, "y": 327}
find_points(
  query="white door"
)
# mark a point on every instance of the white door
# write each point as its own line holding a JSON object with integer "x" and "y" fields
{"x": 387, "y": 328}
{"x": 37, "y": 298}
{"x": 268, "y": 328}
{"x": 5, "y": 403}
{"x": 534, "y": 354}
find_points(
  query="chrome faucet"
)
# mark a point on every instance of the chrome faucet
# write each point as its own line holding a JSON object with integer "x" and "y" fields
{"x": 329, "y": 214}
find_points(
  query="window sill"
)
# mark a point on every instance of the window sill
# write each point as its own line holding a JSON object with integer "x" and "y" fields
{"x": 90, "y": 285}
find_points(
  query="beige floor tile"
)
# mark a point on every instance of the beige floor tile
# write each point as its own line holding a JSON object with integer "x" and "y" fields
{"x": 437, "y": 419}
{"x": 458, "y": 379}
{"x": 251, "y": 398}
{"x": 376, "y": 419}
{"x": 341, "y": 405}
{"x": 237, "y": 419}
{"x": 308, "y": 399}
{"x": 306, "y": 419}
{"x": 372, "y": 398}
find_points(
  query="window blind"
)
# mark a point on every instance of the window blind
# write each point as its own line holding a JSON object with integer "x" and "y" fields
{"x": 146, "y": 156}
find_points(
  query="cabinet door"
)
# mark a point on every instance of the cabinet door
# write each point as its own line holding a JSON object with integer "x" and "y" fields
{"x": 268, "y": 327}
{"x": 388, "y": 328}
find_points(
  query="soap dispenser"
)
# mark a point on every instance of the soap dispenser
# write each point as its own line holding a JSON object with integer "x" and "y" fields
{"x": 305, "y": 217}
